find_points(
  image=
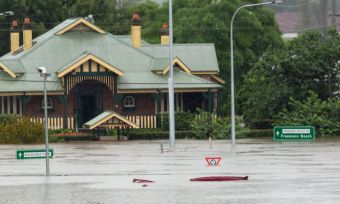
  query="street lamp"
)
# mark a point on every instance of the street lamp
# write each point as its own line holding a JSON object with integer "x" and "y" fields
{"x": 45, "y": 75}
{"x": 233, "y": 137}
{"x": 171, "y": 84}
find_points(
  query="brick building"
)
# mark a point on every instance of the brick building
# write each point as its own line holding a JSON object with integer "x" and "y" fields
{"x": 93, "y": 71}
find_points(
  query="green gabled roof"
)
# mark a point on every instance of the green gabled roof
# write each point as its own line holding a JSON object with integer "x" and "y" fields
{"x": 159, "y": 64}
{"x": 15, "y": 65}
{"x": 182, "y": 80}
{"x": 56, "y": 51}
{"x": 28, "y": 83}
{"x": 198, "y": 57}
{"x": 61, "y": 50}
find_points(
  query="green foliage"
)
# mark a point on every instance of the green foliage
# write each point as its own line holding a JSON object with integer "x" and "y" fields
{"x": 182, "y": 121}
{"x": 258, "y": 133}
{"x": 7, "y": 119}
{"x": 21, "y": 131}
{"x": 202, "y": 125}
{"x": 324, "y": 115}
{"x": 307, "y": 63}
{"x": 55, "y": 139}
{"x": 152, "y": 134}
{"x": 206, "y": 125}
{"x": 112, "y": 132}
{"x": 58, "y": 131}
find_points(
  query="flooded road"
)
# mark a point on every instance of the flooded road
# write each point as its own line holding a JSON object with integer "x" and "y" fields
{"x": 102, "y": 172}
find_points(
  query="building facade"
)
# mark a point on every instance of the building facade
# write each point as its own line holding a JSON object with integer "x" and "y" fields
{"x": 94, "y": 71}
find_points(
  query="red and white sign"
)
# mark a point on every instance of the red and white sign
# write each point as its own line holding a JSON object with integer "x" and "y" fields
{"x": 213, "y": 161}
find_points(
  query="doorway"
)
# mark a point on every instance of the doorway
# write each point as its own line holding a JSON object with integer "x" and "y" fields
{"x": 88, "y": 99}
{"x": 88, "y": 107}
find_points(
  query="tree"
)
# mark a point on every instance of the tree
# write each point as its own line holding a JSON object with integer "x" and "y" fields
{"x": 307, "y": 63}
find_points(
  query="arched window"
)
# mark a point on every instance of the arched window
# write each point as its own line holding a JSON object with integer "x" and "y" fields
{"x": 49, "y": 103}
{"x": 129, "y": 102}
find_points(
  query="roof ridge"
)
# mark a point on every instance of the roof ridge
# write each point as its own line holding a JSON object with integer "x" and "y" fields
{"x": 180, "y": 44}
{"x": 139, "y": 50}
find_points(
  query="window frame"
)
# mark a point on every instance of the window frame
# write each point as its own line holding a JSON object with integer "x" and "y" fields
{"x": 49, "y": 103}
{"x": 133, "y": 100}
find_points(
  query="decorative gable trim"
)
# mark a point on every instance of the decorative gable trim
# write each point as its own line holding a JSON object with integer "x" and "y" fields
{"x": 7, "y": 70}
{"x": 86, "y": 58}
{"x": 106, "y": 118}
{"x": 180, "y": 64}
{"x": 217, "y": 78}
{"x": 78, "y": 22}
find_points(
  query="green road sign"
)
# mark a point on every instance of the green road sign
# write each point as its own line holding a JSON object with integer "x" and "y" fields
{"x": 33, "y": 153}
{"x": 294, "y": 133}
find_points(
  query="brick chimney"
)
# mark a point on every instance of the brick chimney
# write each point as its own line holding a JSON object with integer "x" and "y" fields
{"x": 14, "y": 36}
{"x": 165, "y": 34}
{"x": 136, "y": 30}
{"x": 27, "y": 34}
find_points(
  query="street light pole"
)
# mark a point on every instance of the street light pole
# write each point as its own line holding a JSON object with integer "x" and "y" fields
{"x": 45, "y": 75}
{"x": 233, "y": 134}
{"x": 171, "y": 84}
{"x": 46, "y": 126}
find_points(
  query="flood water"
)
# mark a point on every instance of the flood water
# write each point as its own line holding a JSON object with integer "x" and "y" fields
{"x": 102, "y": 172}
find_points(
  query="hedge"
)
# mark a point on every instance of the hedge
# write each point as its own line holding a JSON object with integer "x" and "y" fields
{"x": 258, "y": 133}
{"x": 20, "y": 131}
{"x": 154, "y": 134}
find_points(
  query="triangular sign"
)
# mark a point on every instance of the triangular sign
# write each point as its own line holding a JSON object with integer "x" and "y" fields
{"x": 213, "y": 161}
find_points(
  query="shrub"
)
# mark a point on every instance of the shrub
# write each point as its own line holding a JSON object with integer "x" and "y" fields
{"x": 207, "y": 125}
{"x": 58, "y": 131}
{"x": 323, "y": 115}
{"x": 7, "y": 119}
{"x": 20, "y": 131}
{"x": 258, "y": 133}
{"x": 182, "y": 121}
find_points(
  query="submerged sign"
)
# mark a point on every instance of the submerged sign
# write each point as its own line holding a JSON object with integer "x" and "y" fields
{"x": 33, "y": 153}
{"x": 294, "y": 133}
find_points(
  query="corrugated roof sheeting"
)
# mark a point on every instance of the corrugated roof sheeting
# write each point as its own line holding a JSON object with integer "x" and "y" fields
{"x": 198, "y": 57}
{"x": 56, "y": 51}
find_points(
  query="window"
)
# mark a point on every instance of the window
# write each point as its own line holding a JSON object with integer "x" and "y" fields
{"x": 49, "y": 103}
{"x": 129, "y": 102}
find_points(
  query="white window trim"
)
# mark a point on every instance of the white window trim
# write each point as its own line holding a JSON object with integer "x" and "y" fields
{"x": 49, "y": 103}
{"x": 129, "y": 105}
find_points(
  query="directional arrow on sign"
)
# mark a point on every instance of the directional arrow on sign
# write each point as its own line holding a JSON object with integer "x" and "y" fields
{"x": 20, "y": 154}
{"x": 277, "y": 133}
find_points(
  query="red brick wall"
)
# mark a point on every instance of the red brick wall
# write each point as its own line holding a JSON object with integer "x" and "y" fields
{"x": 145, "y": 105}
{"x": 34, "y": 107}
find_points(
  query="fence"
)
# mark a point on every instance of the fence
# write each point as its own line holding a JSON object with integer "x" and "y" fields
{"x": 54, "y": 123}
{"x": 143, "y": 121}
